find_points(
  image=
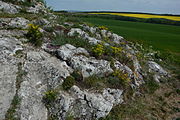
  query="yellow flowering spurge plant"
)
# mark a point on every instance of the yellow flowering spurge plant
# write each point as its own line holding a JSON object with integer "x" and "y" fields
{"x": 98, "y": 50}
{"x": 103, "y": 28}
{"x": 123, "y": 78}
{"x": 34, "y": 35}
{"x": 116, "y": 50}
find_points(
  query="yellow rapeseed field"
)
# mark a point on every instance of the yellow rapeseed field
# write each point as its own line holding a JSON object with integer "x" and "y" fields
{"x": 176, "y": 18}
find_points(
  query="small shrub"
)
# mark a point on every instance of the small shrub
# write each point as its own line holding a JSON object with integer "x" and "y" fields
{"x": 118, "y": 78}
{"x": 98, "y": 50}
{"x": 93, "y": 81}
{"x": 77, "y": 76}
{"x": 49, "y": 98}
{"x": 77, "y": 42}
{"x": 34, "y": 35}
{"x": 103, "y": 28}
{"x": 68, "y": 83}
{"x": 116, "y": 50}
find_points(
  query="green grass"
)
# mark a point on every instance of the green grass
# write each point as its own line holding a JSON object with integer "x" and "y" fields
{"x": 78, "y": 42}
{"x": 161, "y": 37}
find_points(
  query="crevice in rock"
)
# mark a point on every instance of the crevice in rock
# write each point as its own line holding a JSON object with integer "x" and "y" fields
{"x": 11, "y": 112}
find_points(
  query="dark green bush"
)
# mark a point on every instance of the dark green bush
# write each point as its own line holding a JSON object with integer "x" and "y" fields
{"x": 68, "y": 83}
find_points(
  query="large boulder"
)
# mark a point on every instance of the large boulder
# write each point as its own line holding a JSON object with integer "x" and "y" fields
{"x": 86, "y": 105}
{"x": 77, "y": 58}
{"x": 158, "y": 71}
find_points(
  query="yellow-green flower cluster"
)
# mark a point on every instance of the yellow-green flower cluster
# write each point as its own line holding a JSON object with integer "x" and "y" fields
{"x": 98, "y": 50}
{"x": 121, "y": 76}
{"x": 116, "y": 50}
{"x": 103, "y": 28}
{"x": 33, "y": 26}
{"x": 34, "y": 35}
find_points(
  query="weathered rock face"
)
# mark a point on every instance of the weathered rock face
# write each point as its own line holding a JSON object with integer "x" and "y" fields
{"x": 77, "y": 60}
{"x": 86, "y": 105}
{"x": 13, "y": 23}
{"x": 8, "y": 73}
{"x": 12, "y": 33}
{"x": 51, "y": 73}
{"x": 8, "y": 8}
{"x": 10, "y": 44}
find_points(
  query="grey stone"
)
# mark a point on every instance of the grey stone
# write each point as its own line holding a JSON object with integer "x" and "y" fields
{"x": 158, "y": 71}
{"x": 10, "y": 45}
{"x": 92, "y": 40}
{"x": 43, "y": 71}
{"x": 67, "y": 51}
{"x": 86, "y": 105}
{"x": 104, "y": 33}
{"x": 80, "y": 32}
{"x": 153, "y": 66}
{"x": 8, "y": 8}
{"x": 12, "y": 33}
{"x": 123, "y": 68}
{"x": 19, "y": 22}
{"x": 37, "y": 8}
{"x": 138, "y": 78}
{"x": 41, "y": 22}
{"x": 7, "y": 86}
{"x": 88, "y": 66}
{"x": 116, "y": 38}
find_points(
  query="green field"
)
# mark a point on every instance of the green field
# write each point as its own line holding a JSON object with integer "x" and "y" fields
{"x": 161, "y": 37}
